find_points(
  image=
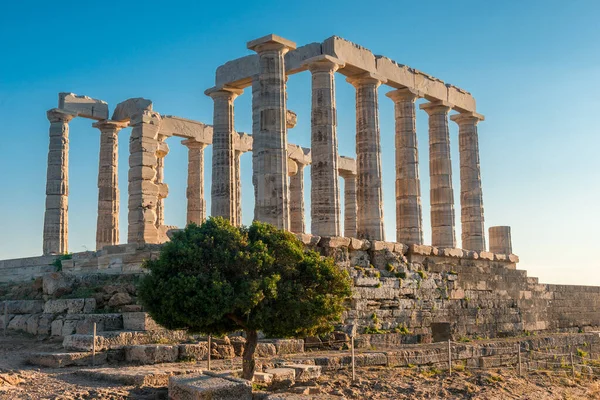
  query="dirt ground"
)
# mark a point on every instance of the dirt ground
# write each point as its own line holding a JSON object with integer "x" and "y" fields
{"x": 21, "y": 381}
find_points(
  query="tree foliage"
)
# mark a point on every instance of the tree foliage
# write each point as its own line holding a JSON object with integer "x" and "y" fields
{"x": 216, "y": 278}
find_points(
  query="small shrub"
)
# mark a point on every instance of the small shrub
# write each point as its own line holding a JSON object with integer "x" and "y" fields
{"x": 422, "y": 274}
{"x": 401, "y": 275}
{"x": 390, "y": 268}
{"x": 464, "y": 339}
{"x": 58, "y": 262}
{"x": 581, "y": 353}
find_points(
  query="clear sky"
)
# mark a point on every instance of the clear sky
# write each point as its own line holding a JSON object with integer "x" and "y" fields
{"x": 533, "y": 67}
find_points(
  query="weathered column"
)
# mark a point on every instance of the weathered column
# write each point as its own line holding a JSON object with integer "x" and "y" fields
{"x": 143, "y": 190}
{"x": 471, "y": 198}
{"x": 107, "y": 227}
{"x": 56, "y": 225}
{"x": 500, "y": 240}
{"x": 223, "y": 190}
{"x": 270, "y": 138}
{"x": 196, "y": 205}
{"x": 440, "y": 174}
{"x": 409, "y": 220}
{"x": 349, "y": 204}
{"x": 238, "y": 187}
{"x": 325, "y": 194}
{"x": 369, "y": 194}
{"x": 297, "y": 200}
{"x": 161, "y": 153}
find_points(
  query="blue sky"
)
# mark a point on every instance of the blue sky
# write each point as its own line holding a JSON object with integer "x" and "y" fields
{"x": 533, "y": 67}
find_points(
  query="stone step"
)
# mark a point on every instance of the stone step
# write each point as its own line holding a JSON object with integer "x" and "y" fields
{"x": 119, "y": 339}
{"x": 209, "y": 386}
{"x": 61, "y": 360}
{"x": 305, "y": 371}
{"x": 140, "y": 376}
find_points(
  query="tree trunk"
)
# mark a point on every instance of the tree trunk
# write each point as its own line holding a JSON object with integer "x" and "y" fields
{"x": 248, "y": 363}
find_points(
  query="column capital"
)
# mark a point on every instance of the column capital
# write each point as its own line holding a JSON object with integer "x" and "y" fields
{"x": 404, "y": 94}
{"x": 467, "y": 118}
{"x": 223, "y": 91}
{"x": 58, "y": 115}
{"x": 323, "y": 63}
{"x": 271, "y": 42}
{"x": 436, "y": 107}
{"x": 109, "y": 125}
{"x": 366, "y": 78}
{"x": 193, "y": 144}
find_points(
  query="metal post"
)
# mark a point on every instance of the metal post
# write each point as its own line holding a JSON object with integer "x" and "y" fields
{"x": 353, "y": 362}
{"x": 94, "y": 347}
{"x": 519, "y": 352}
{"x": 572, "y": 365}
{"x": 450, "y": 356}
{"x": 209, "y": 351}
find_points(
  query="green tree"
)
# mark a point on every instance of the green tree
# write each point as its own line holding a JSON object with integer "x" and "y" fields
{"x": 216, "y": 279}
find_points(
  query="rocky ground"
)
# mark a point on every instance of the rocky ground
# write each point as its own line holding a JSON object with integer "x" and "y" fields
{"x": 21, "y": 381}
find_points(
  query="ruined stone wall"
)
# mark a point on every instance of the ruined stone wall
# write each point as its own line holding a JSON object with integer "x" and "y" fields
{"x": 424, "y": 293}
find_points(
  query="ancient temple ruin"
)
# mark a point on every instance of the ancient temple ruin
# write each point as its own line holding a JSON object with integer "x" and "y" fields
{"x": 413, "y": 282}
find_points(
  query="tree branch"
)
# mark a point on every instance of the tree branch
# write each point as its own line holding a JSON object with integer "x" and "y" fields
{"x": 237, "y": 320}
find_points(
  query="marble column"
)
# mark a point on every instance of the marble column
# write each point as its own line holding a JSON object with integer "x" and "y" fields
{"x": 270, "y": 137}
{"x": 196, "y": 205}
{"x": 409, "y": 220}
{"x": 500, "y": 240}
{"x": 238, "y": 187}
{"x": 223, "y": 190}
{"x": 161, "y": 153}
{"x": 471, "y": 198}
{"x": 325, "y": 194}
{"x": 56, "y": 226}
{"x": 349, "y": 205}
{"x": 369, "y": 194}
{"x": 297, "y": 200}
{"x": 107, "y": 227}
{"x": 143, "y": 190}
{"x": 440, "y": 175}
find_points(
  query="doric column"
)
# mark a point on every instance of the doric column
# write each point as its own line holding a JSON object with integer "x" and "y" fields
{"x": 143, "y": 190}
{"x": 196, "y": 205}
{"x": 238, "y": 187}
{"x": 107, "y": 227}
{"x": 349, "y": 204}
{"x": 471, "y": 198}
{"x": 325, "y": 194}
{"x": 161, "y": 153}
{"x": 297, "y": 200}
{"x": 369, "y": 194}
{"x": 440, "y": 174}
{"x": 409, "y": 220}
{"x": 223, "y": 190}
{"x": 270, "y": 138}
{"x": 56, "y": 224}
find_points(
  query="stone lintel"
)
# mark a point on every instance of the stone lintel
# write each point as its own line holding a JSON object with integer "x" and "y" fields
{"x": 83, "y": 106}
{"x": 467, "y": 116}
{"x": 366, "y": 77}
{"x": 242, "y": 142}
{"x": 186, "y": 128}
{"x": 405, "y": 93}
{"x": 323, "y": 62}
{"x": 223, "y": 90}
{"x": 434, "y": 106}
{"x": 271, "y": 40}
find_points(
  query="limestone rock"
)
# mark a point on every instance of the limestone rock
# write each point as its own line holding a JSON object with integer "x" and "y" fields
{"x": 57, "y": 284}
{"x": 151, "y": 354}
{"x": 119, "y": 299}
{"x": 83, "y": 106}
{"x": 205, "y": 387}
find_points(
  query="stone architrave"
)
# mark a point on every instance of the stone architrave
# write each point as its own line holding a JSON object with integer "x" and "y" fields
{"x": 163, "y": 189}
{"x": 471, "y": 197}
{"x": 56, "y": 225}
{"x": 223, "y": 189}
{"x": 297, "y": 224}
{"x": 369, "y": 192}
{"x": 325, "y": 194}
{"x": 409, "y": 220}
{"x": 349, "y": 204}
{"x": 270, "y": 132}
{"x": 440, "y": 174}
{"x": 196, "y": 205}
{"x": 107, "y": 228}
{"x": 143, "y": 190}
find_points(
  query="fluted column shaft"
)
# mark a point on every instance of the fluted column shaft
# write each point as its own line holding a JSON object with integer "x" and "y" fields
{"x": 56, "y": 224}
{"x": 107, "y": 227}
{"x": 471, "y": 197}
{"x": 440, "y": 174}
{"x": 325, "y": 194}
{"x": 409, "y": 220}
{"x": 297, "y": 224}
{"x": 161, "y": 153}
{"x": 270, "y": 140}
{"x": 238, "y": 187}
{"x": 223, "y": 190}
{"x": 349, "y": 205}
{"x": 143, "y": 189}
{"x": 196, "y": 205}
{"x": 369, "y": 194}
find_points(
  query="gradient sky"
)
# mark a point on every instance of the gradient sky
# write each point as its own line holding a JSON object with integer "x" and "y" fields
{"x": 533, "y": 67}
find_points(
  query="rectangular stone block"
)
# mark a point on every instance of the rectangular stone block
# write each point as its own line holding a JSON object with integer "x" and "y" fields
{"x": 352, "y": 54}
{"x": 398, "y": 75}
{"x": 204, "y": 387}
{"x": 83, "y": 106}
